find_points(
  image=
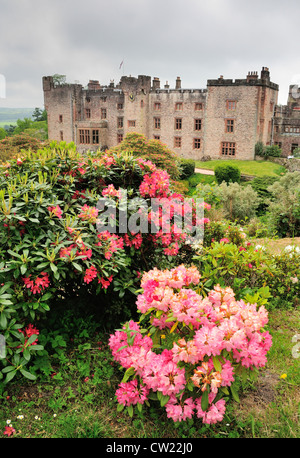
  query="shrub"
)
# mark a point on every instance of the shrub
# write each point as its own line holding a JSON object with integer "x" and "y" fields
{"x": 187, "y": 168}
{"x": 152, "y": 150}
{"x": 239, "y": 202}
{"x": 272, "y": 151}
{"x": 190, "y": 350}
{"x": 261, "y": 185}
{"x": 226, "y": 230}
{"x": 228, "y": 173}
{"x": 50, "y": 242}
{"x": 11, "y": 147}
{"x": 284, "y": 207}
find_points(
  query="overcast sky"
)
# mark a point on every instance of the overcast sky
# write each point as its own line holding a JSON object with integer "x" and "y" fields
{"x": 194, "y": 39}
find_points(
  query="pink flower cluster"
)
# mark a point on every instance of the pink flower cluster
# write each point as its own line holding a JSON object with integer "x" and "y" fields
{"x": 88, "y": 213}
{"x": 110, "y": 242}
{"x": 56, "y": 211}
{"x": 37, "y": 285}
{"x": 210, "y": 337}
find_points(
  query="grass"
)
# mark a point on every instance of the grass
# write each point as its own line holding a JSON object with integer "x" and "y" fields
{"x": 254, "y": 168}
{"x": 74, "y": 394}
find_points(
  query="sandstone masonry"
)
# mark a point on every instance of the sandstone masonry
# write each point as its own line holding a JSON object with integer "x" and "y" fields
{"x": 224, "y": 120}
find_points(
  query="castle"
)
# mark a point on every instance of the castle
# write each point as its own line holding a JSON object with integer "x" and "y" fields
{"x": 224, "y": 120}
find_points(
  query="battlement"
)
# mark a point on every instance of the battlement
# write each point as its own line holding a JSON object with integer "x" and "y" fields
{"x": 251, "y": 79}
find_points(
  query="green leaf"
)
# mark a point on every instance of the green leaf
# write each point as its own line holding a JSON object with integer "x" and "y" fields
{"x": 23, "y": 269}
{"x": 217, "y": 364}
{"x": 3, "y": 320}
{"x": 164, "y": 400}
{"x": 120, "y": 407}
{"x": 130, "y": 371}
{"x": 27, "y": 374}
{"x": 77, "y": 266}
{"x": 53, "y": 267}
{"x": 10, "y": 376}
{"x": 204, "y": 401}
{"x": 234, "y": 393}
{"x": 130, "y": 410}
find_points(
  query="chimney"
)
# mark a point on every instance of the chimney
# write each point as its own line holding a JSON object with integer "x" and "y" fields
{"x": 178, "y": 83}
{"x": 252, "y": 76}
{"x": 265, "y": 74}
{"x": 93, "y": 85}
{"x": 156, "y": 83}
{"x": 167, "y": 85}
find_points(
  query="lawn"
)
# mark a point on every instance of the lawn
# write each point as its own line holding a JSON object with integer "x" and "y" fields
{"x": 74, "y": 395}
{"x": 255, "y": 168}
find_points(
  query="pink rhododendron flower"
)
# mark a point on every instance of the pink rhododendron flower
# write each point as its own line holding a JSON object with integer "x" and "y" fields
{"x": 88, "y": 213}
{"x": 90, "y": 274}
{"x": 130, "y": 394}
{"x": 180, "y": 410}
{"x": 211, "y": 337}
{"x": 36, "y": 286}
{"x": 214, "y": 413}
{"x": 57, "y": 211}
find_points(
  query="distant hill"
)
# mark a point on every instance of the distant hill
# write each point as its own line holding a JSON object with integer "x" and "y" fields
{"x": 11, "y": 115}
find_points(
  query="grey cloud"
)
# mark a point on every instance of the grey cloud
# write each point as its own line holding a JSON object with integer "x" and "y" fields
{"x": 194, "y": 39}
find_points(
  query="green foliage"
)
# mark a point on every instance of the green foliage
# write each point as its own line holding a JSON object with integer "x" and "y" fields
{"x": 272, "y": 151}
{"x": 50, "y": 246}
{"x": 238, "y": 202}
{"x": 12, "y": 146}
{"x": 187, "y": 168}
{"x": 218, "y": 230}
{"x": 259, "y": 149}
{"x": 228, "y": 173}
{"x": 153, "y": 150}
{"x": 261, "y": 185}
{"x": 284, "y": 206}
{"x": 2, "y": 133}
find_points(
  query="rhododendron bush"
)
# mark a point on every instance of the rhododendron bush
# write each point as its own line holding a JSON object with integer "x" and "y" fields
{"x": 187, "y": 350}
{"x": 50, "y": 242}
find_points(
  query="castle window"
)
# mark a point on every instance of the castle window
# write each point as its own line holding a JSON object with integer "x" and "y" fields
{"x": 84, "y": 136}
{"x": 120, "y": 123}
{"x": 142, "y": 104}
{"x": 178, "y": 106}
{"x": 229, "y": 125}
{"x": 178, "y": 123}
{"x": 156, "y": 137}
{"x": 197, "y": 143}
{"x": 156, "y": 123}
{"x": 198, "y": 124}
{"x": 131, "y": 123}
{"x": 157, "y": 106}
{"x": 95, "y": 136}
{"x": 120, "y": 106}
{"x": 61, "y": 135}
{"x": 228, "y": 149}
{"x": 293, "y": 147}
{"x": 103, "y": 113}
{"x": 198, "y": 106}
{"x": 87, "y": 113}
{"x": 231, "y": 104}
{"x": 120, "y": 138}
{"x": 60, "y": 118}
{"x": 177, "y": 142}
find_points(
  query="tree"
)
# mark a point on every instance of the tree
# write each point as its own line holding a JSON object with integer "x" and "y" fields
{"x": 59, "y": 80}
{"x": 39, "y": 115}
{"x": 3, "y": 133}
